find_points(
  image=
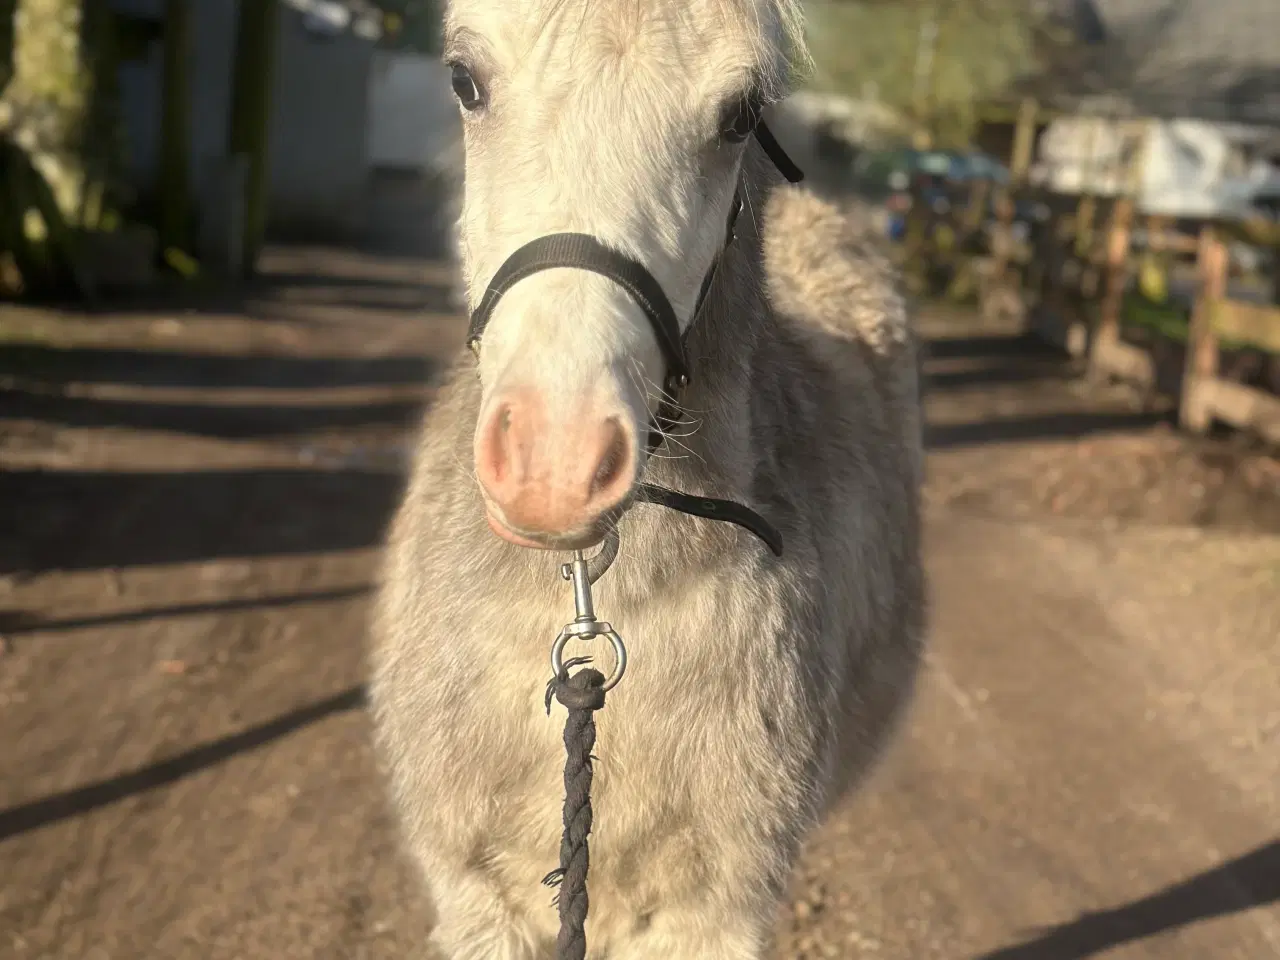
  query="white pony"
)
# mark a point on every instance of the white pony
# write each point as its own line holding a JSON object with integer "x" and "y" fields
{"x": 760, "y": 687}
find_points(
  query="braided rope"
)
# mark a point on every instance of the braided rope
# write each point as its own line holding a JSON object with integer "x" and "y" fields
{"x": 582, "y": 694}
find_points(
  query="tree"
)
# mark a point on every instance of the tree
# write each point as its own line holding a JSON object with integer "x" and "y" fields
{"x": 933, "y": 62}
{"x": 175, "y": 128}
{"x": 42, "y": 112}
{"x": 248, "y": 133}
{"x": 7, "y": 10}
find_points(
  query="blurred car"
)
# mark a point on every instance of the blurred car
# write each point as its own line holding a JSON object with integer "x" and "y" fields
{"x": 883, "y": 172}
{"x": 940, "y": 178}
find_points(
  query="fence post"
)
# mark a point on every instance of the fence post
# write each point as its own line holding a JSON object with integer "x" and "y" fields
{"x": 250, "y": 123}
{"x": 1024, "y": 140}
{"x": 1087, "y": 206}
{"x": 1119, "y": 238}
{"x": 1201, "y": 365}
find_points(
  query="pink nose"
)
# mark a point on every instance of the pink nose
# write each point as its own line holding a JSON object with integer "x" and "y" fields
{"x": 552, "y": 479}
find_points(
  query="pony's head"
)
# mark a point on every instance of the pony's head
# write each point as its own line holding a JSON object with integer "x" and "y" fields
{"x": 624, "y": 120}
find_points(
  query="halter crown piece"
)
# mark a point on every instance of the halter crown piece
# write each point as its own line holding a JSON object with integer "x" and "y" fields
{"x": 584, "y": 252}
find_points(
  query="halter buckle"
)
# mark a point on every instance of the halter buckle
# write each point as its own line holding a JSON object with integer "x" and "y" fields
{"x": 585, "y": 626}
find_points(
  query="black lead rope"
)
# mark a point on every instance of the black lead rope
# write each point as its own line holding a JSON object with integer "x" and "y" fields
{"x": 583, "y": 693}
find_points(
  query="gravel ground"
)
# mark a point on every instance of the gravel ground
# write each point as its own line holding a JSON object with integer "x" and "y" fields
{"x": 191, "y": 505}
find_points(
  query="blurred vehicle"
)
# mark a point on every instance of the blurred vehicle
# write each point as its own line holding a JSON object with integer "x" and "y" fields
{"x": 894, "y": 179}
{"x": 880, "y": 173}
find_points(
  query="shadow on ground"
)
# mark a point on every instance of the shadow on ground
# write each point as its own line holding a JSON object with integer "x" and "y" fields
{"x": 89, "y": 520}
{"x": 82, "y": 520}
{"x": 1249, "y": 881}
{"x": 993, "y": 347}
{"x": 222, "y": 421}
{"x": 1246, "y": 882}
{"x": 17, "y": 623}
{"x": 955, "y": 365}
{"x": 79, "y": 519}
{"x": 172, "y": 368}
{"x": 81, "y": 800}
{"x": 1054, "y": 426}
{"x": 267, "y": 294}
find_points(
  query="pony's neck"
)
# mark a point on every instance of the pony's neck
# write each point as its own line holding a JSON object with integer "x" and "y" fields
{"x": 710, "y": 451}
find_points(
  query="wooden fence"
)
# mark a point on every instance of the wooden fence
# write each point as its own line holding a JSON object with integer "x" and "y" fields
{"x": 1072, "y": 283}
{"x": 1208, "y": 396}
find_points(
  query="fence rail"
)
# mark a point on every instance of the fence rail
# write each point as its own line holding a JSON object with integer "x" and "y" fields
{"x": 1096, "y": 277}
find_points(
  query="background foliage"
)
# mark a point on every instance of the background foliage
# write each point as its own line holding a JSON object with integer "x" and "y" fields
{"x": 934, "y": 62}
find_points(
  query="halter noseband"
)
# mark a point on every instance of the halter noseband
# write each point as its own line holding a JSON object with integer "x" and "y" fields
{"x": 582, "y": 251}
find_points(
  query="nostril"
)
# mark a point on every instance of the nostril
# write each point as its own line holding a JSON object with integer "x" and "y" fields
{"x": 502, "y": 444}
{"x": 497, "y": 447}
{"x": 614, "y": 462}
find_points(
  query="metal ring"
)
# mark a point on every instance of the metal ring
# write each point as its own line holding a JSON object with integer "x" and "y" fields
{"x": 619, "y": 651}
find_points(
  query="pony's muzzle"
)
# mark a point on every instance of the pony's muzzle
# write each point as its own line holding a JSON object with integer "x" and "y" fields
{"x": 551, "y": 482}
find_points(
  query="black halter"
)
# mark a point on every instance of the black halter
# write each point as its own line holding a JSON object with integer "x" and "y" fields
{"x": 584, "y": 252}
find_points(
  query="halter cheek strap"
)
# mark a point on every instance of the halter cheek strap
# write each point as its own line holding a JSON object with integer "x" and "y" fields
{"x": 582, "y": 251}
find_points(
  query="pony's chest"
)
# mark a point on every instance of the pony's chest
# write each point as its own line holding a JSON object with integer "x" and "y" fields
{"x": 698, "y": 718}
{"x": 703, "y": 693}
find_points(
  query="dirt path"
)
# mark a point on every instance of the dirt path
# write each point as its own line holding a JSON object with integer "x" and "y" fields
{"x": 190, "y": 513}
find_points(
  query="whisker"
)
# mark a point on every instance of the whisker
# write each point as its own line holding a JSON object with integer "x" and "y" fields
{"x": 672, "y": 435}
{"x": 751, "y": 210}
{"x": 692, "y": 431}
{"x": 467, "y": 470}
{"x": 690, "y": 452}
{"x": 637, "y": 377}
{"x": 684, "y": 446}
{"x": 656, "y": 391}
{"x": 653, "y": 391}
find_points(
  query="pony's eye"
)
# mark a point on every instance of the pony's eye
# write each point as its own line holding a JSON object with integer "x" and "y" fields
{"x": 740, "y": 120}
{"x": 465, "y": 88}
